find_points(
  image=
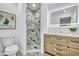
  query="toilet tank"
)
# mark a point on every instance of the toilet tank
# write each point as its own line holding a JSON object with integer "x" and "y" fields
{"x": 7, "y": 41}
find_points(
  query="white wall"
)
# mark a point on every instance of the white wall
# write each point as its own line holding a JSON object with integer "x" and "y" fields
{"x": 19, "y": 32}
{"x": 11, "y": 8}
{"x": 43, "y": 24}
{"x": 21, "y": 27}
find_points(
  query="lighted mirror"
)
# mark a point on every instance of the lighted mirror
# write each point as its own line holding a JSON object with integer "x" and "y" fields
{"x": 64, "y": 16}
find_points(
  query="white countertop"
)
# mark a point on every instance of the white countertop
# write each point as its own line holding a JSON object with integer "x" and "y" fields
{"x": 63, "y": 34}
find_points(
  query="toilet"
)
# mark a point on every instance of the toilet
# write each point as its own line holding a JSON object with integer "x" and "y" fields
{"x": 10, "y": 48}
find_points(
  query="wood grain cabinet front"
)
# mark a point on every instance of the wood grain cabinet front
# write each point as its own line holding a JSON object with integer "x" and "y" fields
{"x": 49, "y": 44}
{"x": 60, "y": 48}
{"x": 73, "y": 46}
{"x": 61, "y": 45}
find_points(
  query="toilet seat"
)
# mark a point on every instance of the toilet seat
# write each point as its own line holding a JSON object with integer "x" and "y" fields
{"x": 11, "y": 49}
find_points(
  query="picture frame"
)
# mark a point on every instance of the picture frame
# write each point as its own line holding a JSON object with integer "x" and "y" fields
{"x": 7, "y": 20}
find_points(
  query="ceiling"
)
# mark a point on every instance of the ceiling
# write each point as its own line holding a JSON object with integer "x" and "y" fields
{"x": 54, "y": 6}
{"x": 68, "y": 10}
{"x": 30, "y": 5}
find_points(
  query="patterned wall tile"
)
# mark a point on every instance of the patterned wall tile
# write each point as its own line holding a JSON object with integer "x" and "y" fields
{"x": 33, "y": 29}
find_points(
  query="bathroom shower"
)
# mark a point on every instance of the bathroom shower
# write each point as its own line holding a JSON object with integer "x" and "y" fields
{"x": 33, "y": 26}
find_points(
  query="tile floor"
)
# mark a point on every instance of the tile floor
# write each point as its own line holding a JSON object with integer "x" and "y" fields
{"x": 20, "y": 54}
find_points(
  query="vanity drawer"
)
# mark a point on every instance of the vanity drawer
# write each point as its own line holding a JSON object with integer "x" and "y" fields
{"x": 73, "y": 52}
{"x": 47, "y": 36}
{"x": 60, "y": 39}
{"x": 50, "y": 50}
{"x": 59, "y": 43}
{"x": 74, "y": 40}
{"x": 60, "y": 53}
{"x": 48, "y": 47}
{"x": 60, "y": 48}
{"x": 48, "y": 42}
{"x": 74, "y": 45}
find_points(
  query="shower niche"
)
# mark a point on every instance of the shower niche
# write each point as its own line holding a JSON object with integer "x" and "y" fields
{"x": 33, "y": 27}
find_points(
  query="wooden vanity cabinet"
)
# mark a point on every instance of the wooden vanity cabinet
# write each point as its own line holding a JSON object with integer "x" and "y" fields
{"x": 49, "y": 44}
{"x": 73, "y": 46}
{"x": 61, "y": 45}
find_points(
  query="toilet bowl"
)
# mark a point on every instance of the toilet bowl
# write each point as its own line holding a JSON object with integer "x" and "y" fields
{"x": 10, "y": 47}
{"x": 11, "y": 50}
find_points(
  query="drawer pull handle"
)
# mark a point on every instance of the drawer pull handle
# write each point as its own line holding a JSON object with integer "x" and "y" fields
{"x": 58, "y": 49}
{"x": 59, "y": 44}
{"x": 59, "y": 39}
{"x": 51, "y": 43}
{"x": 67, "y": 46}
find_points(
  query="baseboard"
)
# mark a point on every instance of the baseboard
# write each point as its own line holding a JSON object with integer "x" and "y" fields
{"x": 37, "y": 50}
{"x": 23, "y": 53}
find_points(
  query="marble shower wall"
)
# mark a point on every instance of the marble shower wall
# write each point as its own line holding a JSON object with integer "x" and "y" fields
{"x": 33, "y": 28}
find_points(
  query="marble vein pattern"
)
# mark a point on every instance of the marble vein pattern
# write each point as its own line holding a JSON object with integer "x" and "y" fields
{"x": 33, "y": 29}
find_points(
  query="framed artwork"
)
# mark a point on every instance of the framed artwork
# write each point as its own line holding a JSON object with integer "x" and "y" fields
{"x": 7, "y": 20}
